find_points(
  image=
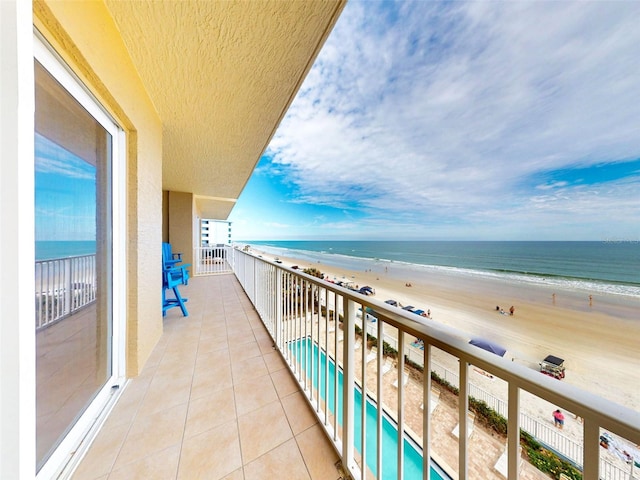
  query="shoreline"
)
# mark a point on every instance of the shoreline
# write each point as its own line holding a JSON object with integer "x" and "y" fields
{"x": 342, "y": 261}
{"x": 597, "y": 337}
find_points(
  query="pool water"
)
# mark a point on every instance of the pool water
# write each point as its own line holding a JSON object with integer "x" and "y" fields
{"x": 412, "y": 452}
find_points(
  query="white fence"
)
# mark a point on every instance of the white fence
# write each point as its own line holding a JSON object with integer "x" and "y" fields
{"x": 212, "y": 260}
{"x": 63, "y": 285}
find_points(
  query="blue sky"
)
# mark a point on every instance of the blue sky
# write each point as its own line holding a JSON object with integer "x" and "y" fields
{"x": 65, "y": 198}
{"x": 460, "y": 120}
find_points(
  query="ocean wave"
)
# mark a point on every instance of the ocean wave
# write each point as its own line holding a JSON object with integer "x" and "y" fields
{"x": 560, "y": 282}
{"x": 352, "y": 262}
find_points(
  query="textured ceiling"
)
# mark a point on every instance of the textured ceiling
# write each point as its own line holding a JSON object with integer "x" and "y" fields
{"x": 221, "y": 75}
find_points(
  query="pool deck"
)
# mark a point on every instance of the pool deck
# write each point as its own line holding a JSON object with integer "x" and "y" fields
{"x": 215, "y": 400}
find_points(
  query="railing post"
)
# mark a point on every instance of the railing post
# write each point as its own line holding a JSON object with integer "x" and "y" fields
{"x": 513, "y": 432}
{"x": 400, "y": 381}
{"x": 278, "y": 304}
{"x": 380, "y": 396}
{"x": 463, "y": 407}
{"x": 426, "y": 413}
{"x": 348, "y": 367}
{"x": 67, "y": 287}
{"x": 253, "y": 276}
{"x": 591, "y": 450}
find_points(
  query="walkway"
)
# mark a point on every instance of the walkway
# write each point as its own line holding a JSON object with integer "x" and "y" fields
{"x": 214, "y": 401}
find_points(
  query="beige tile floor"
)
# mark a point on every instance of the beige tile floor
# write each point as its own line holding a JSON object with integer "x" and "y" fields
{"x": 214, "y": 401}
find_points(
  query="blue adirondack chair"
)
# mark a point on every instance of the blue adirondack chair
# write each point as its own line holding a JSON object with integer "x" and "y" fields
{"x": 173, "y": 276}
{"x": 172, "y": 279}
{"x": 169, "y": 259}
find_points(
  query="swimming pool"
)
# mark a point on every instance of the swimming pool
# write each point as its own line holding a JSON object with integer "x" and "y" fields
{"x": 412, "y": 452}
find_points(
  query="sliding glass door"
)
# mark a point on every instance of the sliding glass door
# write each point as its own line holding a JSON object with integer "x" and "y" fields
{"x": 76, "y": 349}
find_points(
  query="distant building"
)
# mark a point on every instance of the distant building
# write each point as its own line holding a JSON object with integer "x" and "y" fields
{"x": 215, "y": 232}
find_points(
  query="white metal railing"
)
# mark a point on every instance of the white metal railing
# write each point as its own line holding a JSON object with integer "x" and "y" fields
{"x": 542, "y": 432}
{"x": 613, "y": 472}
{"x": 63, "y": 285}
{"x": 297, "y": 308}
{"x": 212, "y": 260}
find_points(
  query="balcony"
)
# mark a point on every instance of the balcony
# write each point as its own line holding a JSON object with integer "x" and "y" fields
{"x": 229, "y": 393}
{"x": 215, "y": 400}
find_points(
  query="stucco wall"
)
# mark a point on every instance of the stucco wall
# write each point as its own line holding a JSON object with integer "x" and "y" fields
{"x": 181, "y": 224}
{"x": 85, "y": 36}
{"x": 165, "y": 216}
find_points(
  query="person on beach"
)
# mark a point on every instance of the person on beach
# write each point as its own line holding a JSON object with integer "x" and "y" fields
{"x": 558, "y": 419}
{"x": 512, "y": 310}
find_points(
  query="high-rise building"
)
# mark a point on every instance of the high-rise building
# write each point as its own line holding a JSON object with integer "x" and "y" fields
{"x": 215, "y": 232}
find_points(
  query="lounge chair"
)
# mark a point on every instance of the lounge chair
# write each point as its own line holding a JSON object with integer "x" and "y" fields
{"x": 470, "y": 419}
{"x": 405, "y": 379}
{"x": 388, "y": 365}
{"x": 502, "y": 465}
{"x": 372, "y": 355}
{"x": 435, "y": 399}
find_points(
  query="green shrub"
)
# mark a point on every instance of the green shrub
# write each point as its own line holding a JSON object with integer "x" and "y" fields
{"x": 526, "y": 440}
{"x": 443, "y": 383}
{"x": 548, "y": 462}
{"x": 413, "y": 365}
{"x": 493, "y": 419}
{"x": 545, "y": 460}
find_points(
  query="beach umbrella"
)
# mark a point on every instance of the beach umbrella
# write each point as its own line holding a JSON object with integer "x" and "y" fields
{"x": 489, "y": 346}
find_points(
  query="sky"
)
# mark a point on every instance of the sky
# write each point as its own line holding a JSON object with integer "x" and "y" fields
{"x": 459, "y": 121}
{"x": 65, "y": 194}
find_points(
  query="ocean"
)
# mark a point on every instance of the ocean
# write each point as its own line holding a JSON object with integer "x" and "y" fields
{"x": 49, "y": 250}
{"x": 605, "y": 267}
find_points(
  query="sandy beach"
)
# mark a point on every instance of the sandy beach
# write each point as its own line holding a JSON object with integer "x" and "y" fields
{"x": 599, "y": 338}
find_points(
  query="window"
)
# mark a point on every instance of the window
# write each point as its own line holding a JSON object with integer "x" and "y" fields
{"x": 79, "y": 285}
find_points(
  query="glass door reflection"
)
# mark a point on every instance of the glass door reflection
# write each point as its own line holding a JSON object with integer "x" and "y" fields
{"x": 73, "y": 268}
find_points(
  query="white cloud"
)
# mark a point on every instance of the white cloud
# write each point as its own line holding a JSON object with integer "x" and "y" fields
{"x": 445, "y": 109}
{"x": 552, "y": 185}
{"x": 55, "y": 160}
